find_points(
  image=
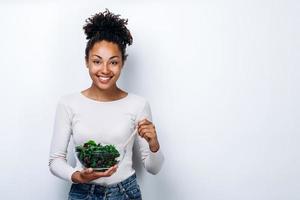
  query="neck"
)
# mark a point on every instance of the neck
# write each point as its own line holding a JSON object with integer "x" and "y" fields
{"x": 109, "y": 94}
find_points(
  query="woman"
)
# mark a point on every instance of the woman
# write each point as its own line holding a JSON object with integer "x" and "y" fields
{"x": 107, "y": 114}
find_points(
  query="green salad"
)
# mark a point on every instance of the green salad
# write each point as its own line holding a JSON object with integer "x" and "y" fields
{"x": 96, "y": 155}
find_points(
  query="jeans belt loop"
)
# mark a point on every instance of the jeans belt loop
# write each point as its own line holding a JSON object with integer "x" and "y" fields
{"x": 121, "y": 187}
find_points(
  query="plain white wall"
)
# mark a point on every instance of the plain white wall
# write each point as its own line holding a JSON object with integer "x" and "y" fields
{"x": 222, "y": 78}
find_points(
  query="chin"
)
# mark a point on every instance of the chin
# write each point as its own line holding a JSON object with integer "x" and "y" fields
{"x": 103, "y": 86}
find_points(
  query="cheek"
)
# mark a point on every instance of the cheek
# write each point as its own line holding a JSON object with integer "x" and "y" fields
{"x": 117, "y": 70}
{"x": 92, "y": 70}
{"x": 92, "y": 74}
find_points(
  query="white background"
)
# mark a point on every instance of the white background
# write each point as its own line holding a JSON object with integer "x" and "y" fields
{"x": 222, "y": 79}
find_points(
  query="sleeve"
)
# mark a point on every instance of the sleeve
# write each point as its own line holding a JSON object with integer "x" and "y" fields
{"x": 58, "y": 165}
{"x": 152, "y": 161}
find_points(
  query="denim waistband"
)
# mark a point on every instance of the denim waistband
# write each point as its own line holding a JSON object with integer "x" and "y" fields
{"x": 123, "y": 183}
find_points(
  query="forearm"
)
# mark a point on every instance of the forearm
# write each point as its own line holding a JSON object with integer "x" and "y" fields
{"x": 154, "y": 162}
{"x": 154, "y": 145}
{"x": 61, "y": 169}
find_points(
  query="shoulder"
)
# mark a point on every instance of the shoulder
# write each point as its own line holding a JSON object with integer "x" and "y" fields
{"x": 143, "y": 109}
{"x": 141, "y": 103}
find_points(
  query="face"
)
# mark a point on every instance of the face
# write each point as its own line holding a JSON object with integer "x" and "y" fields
{"x": 105, "y": 64}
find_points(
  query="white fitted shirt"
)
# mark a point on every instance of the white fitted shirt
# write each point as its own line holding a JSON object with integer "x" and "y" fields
{"x": 108, "y": 122}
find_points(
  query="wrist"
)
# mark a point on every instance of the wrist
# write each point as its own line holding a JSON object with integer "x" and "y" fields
{"x": 76, "y": 177}
{"x": 154, "y": 146}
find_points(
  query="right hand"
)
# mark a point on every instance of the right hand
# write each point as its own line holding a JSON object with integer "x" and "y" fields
{"x": 88, "y": 174}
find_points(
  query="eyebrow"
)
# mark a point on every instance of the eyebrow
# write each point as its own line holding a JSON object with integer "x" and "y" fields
{"x": 109, "y": 58}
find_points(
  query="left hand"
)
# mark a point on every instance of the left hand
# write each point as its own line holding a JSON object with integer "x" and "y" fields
{"x": 146, "y": 130}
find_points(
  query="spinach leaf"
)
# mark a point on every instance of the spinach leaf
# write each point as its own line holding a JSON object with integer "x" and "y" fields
{"x": 94, "y": 155}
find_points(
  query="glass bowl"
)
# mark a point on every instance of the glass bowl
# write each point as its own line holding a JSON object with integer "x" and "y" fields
{"x": 99, "y": 157}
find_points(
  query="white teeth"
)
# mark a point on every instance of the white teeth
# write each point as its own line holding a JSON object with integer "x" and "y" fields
{"x": 104, "y": 78}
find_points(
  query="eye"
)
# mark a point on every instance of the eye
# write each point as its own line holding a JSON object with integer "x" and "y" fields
{"x": 114, "y": 62}
{"x": 97, "y": 62}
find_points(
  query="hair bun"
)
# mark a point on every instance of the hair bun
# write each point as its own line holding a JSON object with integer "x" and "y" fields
{"x": 107, "y": 23}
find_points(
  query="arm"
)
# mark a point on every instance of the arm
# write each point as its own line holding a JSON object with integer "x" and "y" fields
{"x": 147, "y": 140}
{"x": 57, "y": 160}
{"x": 58, "y": 165}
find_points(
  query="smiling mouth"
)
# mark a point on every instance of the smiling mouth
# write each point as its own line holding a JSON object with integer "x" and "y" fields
{"x": 104, "y": 79}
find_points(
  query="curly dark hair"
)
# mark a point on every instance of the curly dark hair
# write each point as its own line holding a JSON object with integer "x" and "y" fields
{"x": 110, "y": 27}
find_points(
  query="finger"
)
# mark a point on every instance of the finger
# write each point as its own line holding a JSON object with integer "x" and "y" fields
{"x": 142, "y": 132}
{"x": 108, "y": 172}
{"x": 113, "y": 170}
{"x": 150, "y": 132}
{"x": 140, "y": 129}
{"x": 146, "y": 126}
{"x": 145, "y": 134}
{"x": 88, "y": 171}
{"x": 147, "y": 138}
{"x": 144, "y": 121}
{"x": 149, "y": 126}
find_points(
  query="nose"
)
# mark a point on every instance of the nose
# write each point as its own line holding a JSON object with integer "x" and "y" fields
{"x": 105, "y": 69}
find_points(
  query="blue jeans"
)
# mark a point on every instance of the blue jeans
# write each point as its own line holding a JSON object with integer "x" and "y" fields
{"x": 125, "y": 190}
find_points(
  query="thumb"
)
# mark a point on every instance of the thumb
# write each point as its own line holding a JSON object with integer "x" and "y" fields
{"x": 141, "y": 121}
{"x": 87, "y": 170}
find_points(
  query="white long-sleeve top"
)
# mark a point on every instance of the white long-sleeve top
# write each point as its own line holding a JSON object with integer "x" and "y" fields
{"x": 108, "y": 122}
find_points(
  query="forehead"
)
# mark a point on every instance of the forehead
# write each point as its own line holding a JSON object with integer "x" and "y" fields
{"x": 103, "y": 48}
